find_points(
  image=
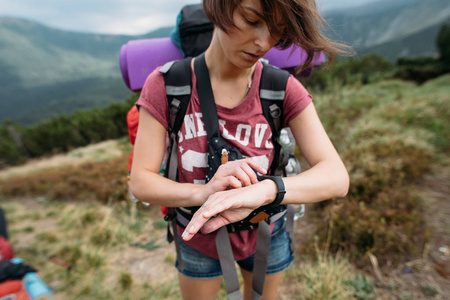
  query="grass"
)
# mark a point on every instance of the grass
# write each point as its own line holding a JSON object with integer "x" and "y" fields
{"x": 389, "y": 133}
{"x": 104, "y": 181}
{"x": 90, "y": 237}
{"x": 329, "y": 277}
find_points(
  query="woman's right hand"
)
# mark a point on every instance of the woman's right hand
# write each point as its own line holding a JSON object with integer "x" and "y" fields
{"x": 233, "y": 175}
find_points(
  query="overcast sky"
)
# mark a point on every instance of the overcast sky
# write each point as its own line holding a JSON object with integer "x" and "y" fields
{"x": 114, "y": 16}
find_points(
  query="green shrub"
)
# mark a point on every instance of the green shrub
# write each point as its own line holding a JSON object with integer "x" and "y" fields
{"x": 355, "y": 70}
{"x": 443, "y": 43}
{"x": 63, "y": 133}
{"x": 429, "y": 291}
{"x": 392, "y": 226}
{"x": 418, "y": 71}
{"x": 363, "y": 287}
{"x": 12, "y": 150}
{"x": 125, "y": 281}
{"x": 396, "y": 131}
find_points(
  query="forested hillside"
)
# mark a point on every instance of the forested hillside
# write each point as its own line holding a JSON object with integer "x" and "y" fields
{"x": 47, "y": 72}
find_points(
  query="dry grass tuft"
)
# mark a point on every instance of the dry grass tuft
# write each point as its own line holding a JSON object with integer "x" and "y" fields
{"x": 97, "y": 241}
{"x": 104, "y": 181}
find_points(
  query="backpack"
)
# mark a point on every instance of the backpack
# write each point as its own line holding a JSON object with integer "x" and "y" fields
{"x": 138, "y": 58}
{"x": 178, "y": 90}
{"x": 13, "y": 290}
{"x": 177, "y": 77}
{"x": 193, "y": 31}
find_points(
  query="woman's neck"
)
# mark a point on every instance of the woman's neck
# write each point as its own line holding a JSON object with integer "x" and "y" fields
{"x": 230, "y": 83}
{"x": 220, "y": 67}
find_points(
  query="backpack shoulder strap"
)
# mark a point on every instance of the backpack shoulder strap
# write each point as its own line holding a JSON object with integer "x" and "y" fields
{"x": 177, "y": 80}
{"x": 272, "y": 91}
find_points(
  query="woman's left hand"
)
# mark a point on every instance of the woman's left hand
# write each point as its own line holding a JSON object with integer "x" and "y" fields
{"x": 228, "y": 207}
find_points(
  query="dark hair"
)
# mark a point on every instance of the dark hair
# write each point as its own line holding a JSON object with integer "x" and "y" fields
{"x": 303, "y": 25}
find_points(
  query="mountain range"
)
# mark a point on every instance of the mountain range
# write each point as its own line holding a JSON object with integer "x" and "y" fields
{"x": 46, "y": 71}
{"x": 392, "y": 29}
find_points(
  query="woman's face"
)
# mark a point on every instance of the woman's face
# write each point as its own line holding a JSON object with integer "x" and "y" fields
{"x": 250, "y": 40}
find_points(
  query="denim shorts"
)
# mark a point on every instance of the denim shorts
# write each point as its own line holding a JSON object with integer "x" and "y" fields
{"x": 200, "y": 266}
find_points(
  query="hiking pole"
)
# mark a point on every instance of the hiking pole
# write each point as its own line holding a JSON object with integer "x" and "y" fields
{"x": 52, "y": 258}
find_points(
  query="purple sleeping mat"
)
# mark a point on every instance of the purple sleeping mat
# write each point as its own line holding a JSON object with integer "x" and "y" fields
{"x": 138, "y": 58}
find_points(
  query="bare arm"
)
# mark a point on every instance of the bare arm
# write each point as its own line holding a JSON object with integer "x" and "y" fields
{"x": 327, "y": 178}
{"x": 147, "y": 185}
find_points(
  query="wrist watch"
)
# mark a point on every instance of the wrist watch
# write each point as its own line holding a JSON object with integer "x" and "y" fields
{"x": 280, "y": 186}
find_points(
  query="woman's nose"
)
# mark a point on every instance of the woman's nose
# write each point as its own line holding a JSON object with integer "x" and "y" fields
{"x": 264, "y": 39}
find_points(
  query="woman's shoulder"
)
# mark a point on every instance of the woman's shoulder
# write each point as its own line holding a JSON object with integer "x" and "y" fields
{"x": 155, "y": 78}
{"x": 296, "y": 100}
{"x": 153, "y": 97}
{"x": 294, "y": 85}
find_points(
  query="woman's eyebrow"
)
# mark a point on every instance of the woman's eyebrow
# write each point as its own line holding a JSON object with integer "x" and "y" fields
{"x": 251, "y": 9}
{"x": 259, "y": 15}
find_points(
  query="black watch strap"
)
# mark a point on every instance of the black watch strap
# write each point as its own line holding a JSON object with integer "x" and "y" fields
{"x": 280, "y": 186}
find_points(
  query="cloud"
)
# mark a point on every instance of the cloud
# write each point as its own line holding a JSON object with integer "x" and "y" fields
{"x": 135, "y": 25}
{"x": 115, "y": 16}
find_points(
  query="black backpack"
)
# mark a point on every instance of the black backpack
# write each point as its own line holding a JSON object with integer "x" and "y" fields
{"x": 193, "y": 31}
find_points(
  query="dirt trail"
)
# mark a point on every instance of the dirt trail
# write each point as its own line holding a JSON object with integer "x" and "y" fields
{"x": 428, "y": 277}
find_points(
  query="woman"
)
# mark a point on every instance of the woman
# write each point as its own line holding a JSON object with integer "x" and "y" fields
{"x": 245, "y": 31}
